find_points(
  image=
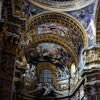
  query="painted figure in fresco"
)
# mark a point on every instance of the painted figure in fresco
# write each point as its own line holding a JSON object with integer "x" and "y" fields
{"x": 58, "y": 55}
{"x": 28, "y": 8}
{"x": 85, "y": 16}
{"x": 52, "y": 28}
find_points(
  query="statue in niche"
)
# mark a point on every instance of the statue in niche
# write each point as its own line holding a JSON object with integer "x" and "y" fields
{"x": 30, "y": 71}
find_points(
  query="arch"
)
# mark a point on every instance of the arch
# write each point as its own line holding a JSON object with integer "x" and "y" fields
{"x": 59, "y": 18}
{"x": 97, "y": 21}
{"x": 55, "y": 39}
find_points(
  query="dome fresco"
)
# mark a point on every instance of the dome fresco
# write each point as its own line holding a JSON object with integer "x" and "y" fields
{"x": 63, "y": 5}
{"x": 86, "y": 18}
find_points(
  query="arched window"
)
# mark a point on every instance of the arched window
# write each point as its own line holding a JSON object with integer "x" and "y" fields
{"x": 46, "y": 76}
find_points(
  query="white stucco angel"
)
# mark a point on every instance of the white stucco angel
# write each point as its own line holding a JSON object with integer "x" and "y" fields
{"x": 65, "y": 72}
{"x": 58, "y": 73}
{"x": 30, "y": 71}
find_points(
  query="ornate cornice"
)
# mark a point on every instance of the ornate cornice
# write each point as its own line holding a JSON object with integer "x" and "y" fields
{"x": 91, "y": 57}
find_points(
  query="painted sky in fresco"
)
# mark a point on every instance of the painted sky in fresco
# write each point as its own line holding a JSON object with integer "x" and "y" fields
{"x": 86, "y": 17}
{"x": 52, "y": 28}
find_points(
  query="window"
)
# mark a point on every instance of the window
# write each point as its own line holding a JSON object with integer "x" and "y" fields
{"x": 46, "y": 76}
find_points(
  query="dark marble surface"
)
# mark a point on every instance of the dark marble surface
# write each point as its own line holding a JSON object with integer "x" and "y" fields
{"x": 6, "y": 76}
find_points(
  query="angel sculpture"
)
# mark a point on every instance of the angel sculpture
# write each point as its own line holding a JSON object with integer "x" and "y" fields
{"x": 59, "y": 73}
{"x": 65, "y": 72}
{"x": 30, "y": 71}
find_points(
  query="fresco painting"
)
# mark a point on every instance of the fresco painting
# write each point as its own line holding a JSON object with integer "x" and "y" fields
{"x": 85, "y": 16}
{"x": 51, "y": 52}
{"x": 71, "y": 36}
{"x": 52, "y": 28}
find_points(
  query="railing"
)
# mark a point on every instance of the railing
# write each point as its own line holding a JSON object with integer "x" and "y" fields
{"x": 23, "y": 96}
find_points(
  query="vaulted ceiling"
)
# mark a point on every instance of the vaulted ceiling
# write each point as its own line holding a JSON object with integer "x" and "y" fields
{"x": 60, "y": 29}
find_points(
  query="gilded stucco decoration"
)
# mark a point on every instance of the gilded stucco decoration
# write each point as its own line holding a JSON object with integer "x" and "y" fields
{"x": 56, "y": 21}
{"x": 58, "y": 18}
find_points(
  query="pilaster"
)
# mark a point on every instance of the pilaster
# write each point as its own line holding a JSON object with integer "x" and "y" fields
{"x": 91, "y": 72}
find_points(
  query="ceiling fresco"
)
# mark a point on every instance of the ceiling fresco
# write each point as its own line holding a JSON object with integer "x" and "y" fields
{"x": 71, "y": 36}
{"x": 48, "y": 52}
{"x": 86, "y": 18}
{"x": 30, "y": 9}
{"x": 52, "y": 28}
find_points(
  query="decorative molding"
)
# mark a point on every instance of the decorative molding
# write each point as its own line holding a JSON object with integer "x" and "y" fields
{"x": 97, "y": 23}
{"x": 91, "y": 57}
{"x": 59, "y": 18}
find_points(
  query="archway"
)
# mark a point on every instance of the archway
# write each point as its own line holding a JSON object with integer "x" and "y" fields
{"x": 58, "y": 18}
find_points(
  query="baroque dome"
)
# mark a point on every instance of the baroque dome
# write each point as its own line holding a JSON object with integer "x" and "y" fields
{"x": 62, "y": 5}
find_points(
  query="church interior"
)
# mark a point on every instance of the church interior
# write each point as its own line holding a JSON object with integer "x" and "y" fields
{"x": 49, "y": 49}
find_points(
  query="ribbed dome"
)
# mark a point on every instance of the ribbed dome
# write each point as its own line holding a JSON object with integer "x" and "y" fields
{"x": 62, "y": 5}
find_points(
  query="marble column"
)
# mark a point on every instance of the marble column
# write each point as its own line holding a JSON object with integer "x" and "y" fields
{"x": 7, "y": 64}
